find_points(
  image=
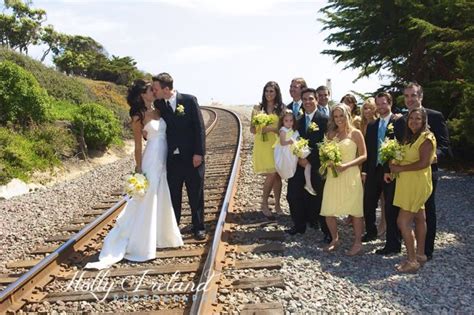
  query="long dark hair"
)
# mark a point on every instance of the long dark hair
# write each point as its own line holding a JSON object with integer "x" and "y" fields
{"x": 135, "y": 100}
{"x": 411, "y": 137}
{"x": 278, "y": 98}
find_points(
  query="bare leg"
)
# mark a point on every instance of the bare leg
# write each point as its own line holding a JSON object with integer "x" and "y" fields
{"x": 405, "y": 221}
{"x": 277, "y": 191}
{"x": 420, "y": 235}
{"x": 267, "y": 187}
{"x": 358, "y": 225}
{"x": 332, "y": 226}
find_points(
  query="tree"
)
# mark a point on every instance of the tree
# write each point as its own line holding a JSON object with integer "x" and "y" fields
{"x": 55, "y": 41}
{"x": 23, "y": 27}
{"x": 429, "y": 41}
{"x": 78, "y": 54}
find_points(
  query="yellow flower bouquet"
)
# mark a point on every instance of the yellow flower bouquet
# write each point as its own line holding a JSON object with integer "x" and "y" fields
{"x": 301, "y": 148}
{"x": 391, "y": 150}
{"x": 329, "y": 156}
{"x": 262, "y": 120}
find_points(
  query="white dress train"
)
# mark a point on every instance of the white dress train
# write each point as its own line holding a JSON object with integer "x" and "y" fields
{"x": 148, "y": 222}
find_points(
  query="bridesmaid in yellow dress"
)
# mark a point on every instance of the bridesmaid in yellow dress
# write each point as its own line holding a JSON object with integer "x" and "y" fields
{"x": 351, "y": 101}
{"x": 343, "y": 195}
{"x": 263, "y": 159}
{"x": 414, "y": 186}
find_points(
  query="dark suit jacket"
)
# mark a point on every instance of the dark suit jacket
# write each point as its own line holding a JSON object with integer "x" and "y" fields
{"x": 184, "y": 131}
{"x": 314, "y": 137}
{"x": 371, "y": 142}
{"x": 437, "y": 126}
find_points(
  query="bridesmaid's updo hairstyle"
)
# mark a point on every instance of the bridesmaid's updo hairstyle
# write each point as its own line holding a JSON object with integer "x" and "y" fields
{"x": 135, "y": 100}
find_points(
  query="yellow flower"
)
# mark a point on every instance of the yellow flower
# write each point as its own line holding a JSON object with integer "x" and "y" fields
{"x": 180, "y": 110}
{"x": 313, "y": 126}
{"x": 300, "y": 112}
{"x": 390, "y": 128}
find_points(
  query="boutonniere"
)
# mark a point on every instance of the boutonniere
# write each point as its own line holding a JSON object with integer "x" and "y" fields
{"x": 313, "y": 126}
{"x": 180, "y": 110}
{"x": 300, "y": 112}
{"x": 390, "y": 128}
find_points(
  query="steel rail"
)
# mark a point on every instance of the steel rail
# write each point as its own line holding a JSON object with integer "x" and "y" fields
{"x": 202, "y": 296}
{"x": 12, "y": 297}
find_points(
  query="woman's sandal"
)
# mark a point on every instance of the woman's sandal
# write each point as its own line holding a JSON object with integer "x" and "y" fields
{"x": 408, "y": 267}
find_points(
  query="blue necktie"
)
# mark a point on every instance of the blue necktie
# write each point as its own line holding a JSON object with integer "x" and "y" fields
{"x": 323, "y": 110}
{"x": 295, "y": 109}
{"x": 308, "y": 121}
{"x": 380, "y": 138}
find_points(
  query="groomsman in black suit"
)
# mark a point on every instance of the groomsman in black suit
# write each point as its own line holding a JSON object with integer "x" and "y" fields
{"x": 296, "y": 106}
{"x": 373, "y": 171}
{"x": 185, "y": 134}
{"x": 304, "y": 207}
{"x": 413, "y": 95}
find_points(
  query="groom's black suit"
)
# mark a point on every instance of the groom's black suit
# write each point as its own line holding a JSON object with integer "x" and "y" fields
{"x": 304, "y": 207}
{"x": 185, "y": 134}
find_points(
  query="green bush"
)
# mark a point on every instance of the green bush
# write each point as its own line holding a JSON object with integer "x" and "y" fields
{"x": 40, "y": 148}
{"x": 23, "y": 100}
{"x": 99, "y": 125}
{"x": 63, "y": 110}
{"x": 58, "y": 85}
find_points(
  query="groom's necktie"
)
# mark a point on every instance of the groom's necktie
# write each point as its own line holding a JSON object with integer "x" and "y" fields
{"x": 168, "y": 105}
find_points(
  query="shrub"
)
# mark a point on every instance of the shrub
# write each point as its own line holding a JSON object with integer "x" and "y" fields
{"x": 57, "y": 84}
{"x": 63, "y": 110}
{"x": 21, "y": 97}
{"x": 101, "y": 128}
{"x": 38, "y": 149}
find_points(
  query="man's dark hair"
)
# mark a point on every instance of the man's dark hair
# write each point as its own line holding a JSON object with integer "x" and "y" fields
{"x": 165, "y": 79}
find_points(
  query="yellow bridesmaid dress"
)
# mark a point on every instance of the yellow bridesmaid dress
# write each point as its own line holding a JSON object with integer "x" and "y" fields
{"x": 343, "y": 195}
{"x": 263, "y": 157}
{"x": 413, "y": 188}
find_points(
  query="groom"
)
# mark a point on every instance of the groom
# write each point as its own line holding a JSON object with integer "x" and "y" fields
{"x": 185, "y": 134}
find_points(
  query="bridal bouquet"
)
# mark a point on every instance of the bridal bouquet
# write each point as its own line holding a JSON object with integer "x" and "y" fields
{"x": 301, "y": 148}
{"x": 330, "y": 156}
{"x": 391, "y": 150}
{"x": 262, "y": 120}
{"x": 136, "y": 185}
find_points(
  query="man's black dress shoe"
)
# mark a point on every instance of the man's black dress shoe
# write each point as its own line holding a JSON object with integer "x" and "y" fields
{"x": 294, "y": 231}
{"x": 200, "y": 235}
{"x": 429, "y": 257}
{"x": 387, "y": 251}
{"x": 369, "y": 237}
{"x": 327, "y": 238}
{"x": 314, "y": 225}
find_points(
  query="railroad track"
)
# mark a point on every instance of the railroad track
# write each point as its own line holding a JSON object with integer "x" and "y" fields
{"x": 184, "y": 280}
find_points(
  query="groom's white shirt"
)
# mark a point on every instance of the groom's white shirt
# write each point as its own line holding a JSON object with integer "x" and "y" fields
{"x": 172, "y": 100}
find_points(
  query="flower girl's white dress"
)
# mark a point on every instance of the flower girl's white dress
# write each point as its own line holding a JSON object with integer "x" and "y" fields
{"x": 147, "y": 222}
{"x": 285, "y": 160}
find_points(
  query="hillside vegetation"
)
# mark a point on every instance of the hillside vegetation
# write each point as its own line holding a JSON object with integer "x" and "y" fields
{"x": 47, "y": 116}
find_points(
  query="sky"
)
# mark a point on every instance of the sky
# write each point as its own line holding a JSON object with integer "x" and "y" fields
{"x": 218, "y": 50}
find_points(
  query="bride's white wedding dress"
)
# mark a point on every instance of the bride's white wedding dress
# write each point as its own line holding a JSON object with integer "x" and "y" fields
{"x": 148, "y": 222}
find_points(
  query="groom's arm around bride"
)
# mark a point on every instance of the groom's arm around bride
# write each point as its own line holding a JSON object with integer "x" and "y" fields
{"x": 186, "y": 148}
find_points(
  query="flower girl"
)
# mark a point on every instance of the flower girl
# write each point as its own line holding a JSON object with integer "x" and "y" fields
{"x": 288, "y": 149}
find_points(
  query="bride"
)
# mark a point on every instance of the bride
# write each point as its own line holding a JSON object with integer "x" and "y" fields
{"x": 147, "y": 222}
